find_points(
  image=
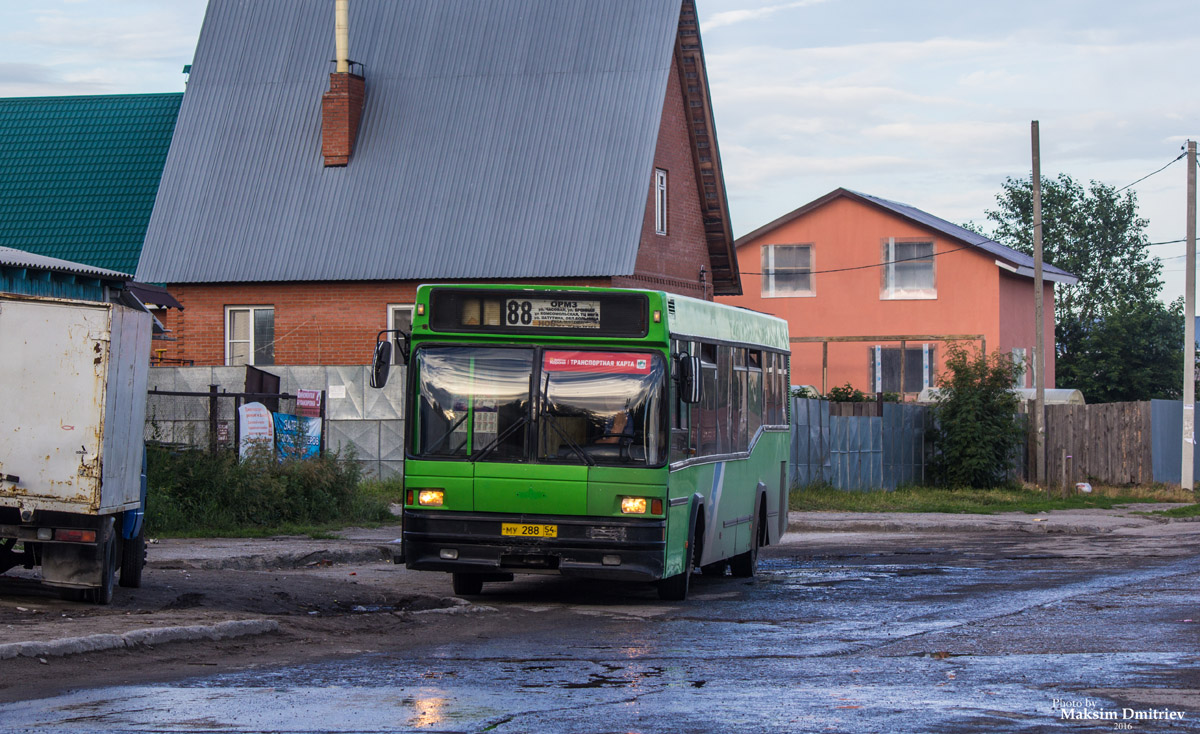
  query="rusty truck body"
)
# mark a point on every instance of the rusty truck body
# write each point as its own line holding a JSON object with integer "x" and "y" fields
{"x": 72, "y": 460}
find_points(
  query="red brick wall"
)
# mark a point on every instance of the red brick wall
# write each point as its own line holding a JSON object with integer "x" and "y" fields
{"x": 323, "y": 323}
{"x": 672, "y": 262}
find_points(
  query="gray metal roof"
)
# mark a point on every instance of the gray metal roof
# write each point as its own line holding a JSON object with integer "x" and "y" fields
{"x": 498, "y": 139}
{"x": 1020, "y": 263}
{"x": 13, "y": 258}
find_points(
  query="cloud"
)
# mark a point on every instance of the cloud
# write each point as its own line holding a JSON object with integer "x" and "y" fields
{"x": 154, "y": 34}
{"x": 730, "y": 17}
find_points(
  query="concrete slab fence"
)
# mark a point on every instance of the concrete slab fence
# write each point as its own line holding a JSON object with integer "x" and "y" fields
{"x": 369, "y": 421}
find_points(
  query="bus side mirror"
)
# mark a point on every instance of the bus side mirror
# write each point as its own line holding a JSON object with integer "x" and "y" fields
{"x": 689, "y": 378}
{"x": 382, "y": 364}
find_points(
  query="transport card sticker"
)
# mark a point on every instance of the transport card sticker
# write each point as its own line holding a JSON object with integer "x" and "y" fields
{"x": 615, "y": 363}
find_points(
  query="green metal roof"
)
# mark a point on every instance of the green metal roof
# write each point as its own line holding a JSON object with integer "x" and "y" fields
{"x": 78, "y": 175}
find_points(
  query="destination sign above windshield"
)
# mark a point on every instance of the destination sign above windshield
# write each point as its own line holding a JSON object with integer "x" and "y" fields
{"x": 520, "y": 311}
{"x": 552, "y": 313}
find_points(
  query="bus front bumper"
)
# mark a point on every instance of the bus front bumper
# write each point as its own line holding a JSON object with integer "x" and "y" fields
{"x": 614, "y": 548}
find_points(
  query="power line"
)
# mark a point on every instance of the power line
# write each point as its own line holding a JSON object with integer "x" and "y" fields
{"x": 1148, "y": 175}
{"x": 879, "y": 265}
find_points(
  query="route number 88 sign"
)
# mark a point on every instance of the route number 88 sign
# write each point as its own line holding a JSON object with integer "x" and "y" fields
{"x": 551, "y": 313}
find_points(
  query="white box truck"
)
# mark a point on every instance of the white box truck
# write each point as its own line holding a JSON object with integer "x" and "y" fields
{"x": 72, "y": 453}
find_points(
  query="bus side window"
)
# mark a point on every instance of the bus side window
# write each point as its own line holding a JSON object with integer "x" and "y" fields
{"x": 680, "y": 410}
{"x": 727, "y": 441}
{"x": 710, "y": 395}
{"x": 754, "y": 392}
{"x": 738, "y": 420}
{"x": 768, "y": 382}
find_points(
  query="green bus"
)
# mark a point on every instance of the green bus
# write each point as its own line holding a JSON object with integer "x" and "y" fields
{"x": 590, "y": 432}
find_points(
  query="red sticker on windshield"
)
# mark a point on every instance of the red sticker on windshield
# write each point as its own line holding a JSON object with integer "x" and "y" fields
{"x": 601, "y": 362}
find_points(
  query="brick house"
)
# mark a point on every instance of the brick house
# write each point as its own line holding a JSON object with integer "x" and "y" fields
{"x": 546, "y": 141}
{"x": 853, "y": 266}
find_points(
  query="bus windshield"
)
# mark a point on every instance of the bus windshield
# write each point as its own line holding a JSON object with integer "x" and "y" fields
{"x": 602, "y": 408}
{"x": 594, "y": 408}
{"x": 472, "y": 400}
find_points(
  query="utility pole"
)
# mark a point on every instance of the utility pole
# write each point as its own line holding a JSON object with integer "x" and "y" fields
{"x": 1189, "y": 326}
{"x": 1039, "y": 344}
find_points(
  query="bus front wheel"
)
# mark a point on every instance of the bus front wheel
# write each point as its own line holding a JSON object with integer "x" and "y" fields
{"x": 467, "y": 584}
{"x": 675, "y": 588}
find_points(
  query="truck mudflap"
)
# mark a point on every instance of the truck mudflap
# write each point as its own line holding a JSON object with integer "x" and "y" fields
{"x": 613, "y": 548}
{"x": 79, "y": 566}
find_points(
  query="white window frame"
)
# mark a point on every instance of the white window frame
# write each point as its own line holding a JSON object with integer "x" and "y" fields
{"x": 1021, "y": 360}
{"x": 887, "y": 288}
{"x": 660, "y": 201}
{"x": 769, "y": 289}
{"x": 229, "y": 337}
{"x": 392, "y": 308}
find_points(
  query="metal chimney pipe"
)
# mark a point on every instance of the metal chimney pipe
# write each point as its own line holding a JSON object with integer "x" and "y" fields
{"x": 342, "y": 35}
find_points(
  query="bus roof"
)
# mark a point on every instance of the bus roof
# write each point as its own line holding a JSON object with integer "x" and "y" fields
{"x": 694, "y": 317}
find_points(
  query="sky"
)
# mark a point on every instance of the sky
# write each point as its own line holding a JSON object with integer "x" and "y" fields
{"x": 927, "y": 102}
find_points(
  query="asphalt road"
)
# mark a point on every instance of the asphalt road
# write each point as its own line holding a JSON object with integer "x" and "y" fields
{"x": 844, "y": 632}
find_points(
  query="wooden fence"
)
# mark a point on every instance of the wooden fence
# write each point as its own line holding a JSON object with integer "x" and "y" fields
{"x": 1108, "y": 443}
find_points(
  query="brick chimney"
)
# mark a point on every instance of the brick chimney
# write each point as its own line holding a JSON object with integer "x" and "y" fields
{"x": 342, "y": 105}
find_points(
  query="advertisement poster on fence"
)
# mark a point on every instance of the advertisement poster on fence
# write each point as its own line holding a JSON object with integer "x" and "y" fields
{"x": 297, "y": 437}
{"x": 308, "y": 403}
{"x": 255, "y": 428}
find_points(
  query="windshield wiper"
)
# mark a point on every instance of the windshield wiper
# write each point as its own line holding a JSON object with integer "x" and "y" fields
{"x": 437, "y": 444}
{"x": 550, "y": 421}
{"x": 487, "y": 449}
{"x": 543, "y": 404}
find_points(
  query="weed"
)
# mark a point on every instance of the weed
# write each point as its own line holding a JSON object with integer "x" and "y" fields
{"x": 194, "y": 493}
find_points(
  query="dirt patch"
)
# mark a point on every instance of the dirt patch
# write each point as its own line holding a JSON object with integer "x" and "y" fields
{"x": 323, "y": 611}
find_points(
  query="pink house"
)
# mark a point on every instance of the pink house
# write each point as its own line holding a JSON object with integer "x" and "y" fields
{"x": 858, "y": 278}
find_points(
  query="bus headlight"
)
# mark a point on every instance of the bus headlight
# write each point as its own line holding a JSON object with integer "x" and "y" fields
{"x": 431, "y": 497}
{"x": 633, "y": 505}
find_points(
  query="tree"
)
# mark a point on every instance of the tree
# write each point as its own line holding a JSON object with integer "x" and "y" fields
{"x": 977, "y": 431}
{"x": 1115, "y": 339}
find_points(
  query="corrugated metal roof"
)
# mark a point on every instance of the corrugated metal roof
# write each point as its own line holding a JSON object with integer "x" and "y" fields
{"x": 498, "y": 139}
{"x": 1021, "y": 263}
{"x": 78, "y": 175}
{"x": 13, "y": 258}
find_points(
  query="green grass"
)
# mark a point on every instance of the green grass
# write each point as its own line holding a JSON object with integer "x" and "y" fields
{"x": 1189, "y": 511}
{"x": 976, "y": 501}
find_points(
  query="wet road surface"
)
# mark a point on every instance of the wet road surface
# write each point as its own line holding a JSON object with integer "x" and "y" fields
{"x": 971, "y": 636}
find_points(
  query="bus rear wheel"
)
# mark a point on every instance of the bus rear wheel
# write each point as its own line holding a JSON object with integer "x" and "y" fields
{"x": 467, "y": 584}
{"x": 745, "y": 565}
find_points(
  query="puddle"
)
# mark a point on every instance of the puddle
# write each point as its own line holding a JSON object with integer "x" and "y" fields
{"x": 816, "y": 577}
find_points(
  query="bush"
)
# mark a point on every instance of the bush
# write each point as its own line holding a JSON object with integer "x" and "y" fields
{"x": 849, "y": 394}
{"x": 977, "y": 428}
{"x": 194, "y": 492}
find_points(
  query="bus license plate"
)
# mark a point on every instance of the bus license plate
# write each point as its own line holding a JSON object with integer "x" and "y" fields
{"x": 529, "y": 531}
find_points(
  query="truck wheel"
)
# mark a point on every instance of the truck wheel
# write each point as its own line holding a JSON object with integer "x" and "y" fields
{"x": 103, "y": 594}
{"x": 133, "y": 559}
